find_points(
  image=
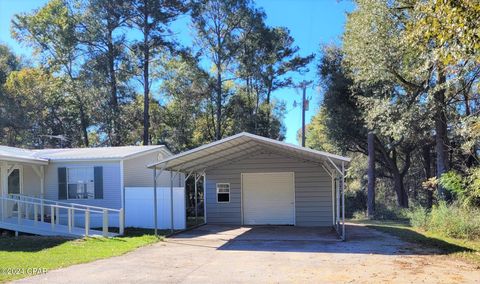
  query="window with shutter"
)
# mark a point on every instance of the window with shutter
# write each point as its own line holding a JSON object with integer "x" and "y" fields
{"x": 80, "y": 183}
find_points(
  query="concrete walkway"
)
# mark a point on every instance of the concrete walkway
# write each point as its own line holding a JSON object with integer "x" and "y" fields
{"x": 218, "y": 254}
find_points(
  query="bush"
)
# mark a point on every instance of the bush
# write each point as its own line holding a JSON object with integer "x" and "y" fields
{"x": 450, "y": 220}
{"x": 355, "y": 201}
{"x": 384, "y": 212}
{"x": 466, "y": 188}
{"x": 455, "y": 221}
{"x": 419, "y": 217}
{"x": 359, "y": 215}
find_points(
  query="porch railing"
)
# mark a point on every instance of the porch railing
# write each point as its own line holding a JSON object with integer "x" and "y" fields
{"x": 41, "y": 210}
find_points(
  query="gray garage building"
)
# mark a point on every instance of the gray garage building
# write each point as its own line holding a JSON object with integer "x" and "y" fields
{"x": 253, "y": 180}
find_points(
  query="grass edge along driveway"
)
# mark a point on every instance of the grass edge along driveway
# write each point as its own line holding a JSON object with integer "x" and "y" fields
{"x": 465, "y": 249}
{"x": 21, "y": 257}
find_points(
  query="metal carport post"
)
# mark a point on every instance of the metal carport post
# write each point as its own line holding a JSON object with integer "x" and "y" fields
{"x": 341, "y": 171}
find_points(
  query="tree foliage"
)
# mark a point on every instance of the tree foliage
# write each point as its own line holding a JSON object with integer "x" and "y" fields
{"x": 124, "y": 79}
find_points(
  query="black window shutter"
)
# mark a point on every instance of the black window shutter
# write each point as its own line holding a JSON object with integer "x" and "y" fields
{"x": 98, "y": 176}
{"x": 62, "y": 183}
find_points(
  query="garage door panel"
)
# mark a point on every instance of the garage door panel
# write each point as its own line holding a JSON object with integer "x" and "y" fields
{"x": 268, "y": 198}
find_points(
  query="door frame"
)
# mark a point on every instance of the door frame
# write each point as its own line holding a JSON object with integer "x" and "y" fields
{"x": 20, "y": 173}
{"x": 243, "y": 201}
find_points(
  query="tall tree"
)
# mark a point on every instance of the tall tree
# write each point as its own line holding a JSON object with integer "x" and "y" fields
{"x": 8, "y": 63}
{"x": 152, "y": 19}
{"x": 378, "y": 49}
{"x": 40, "y": 115}
{"x": 220, "y": 25}
{"x": 351, "y": 111}
{"x": 187, "y": 89}
{"x": 267, "y": 60}
{"x": 102, "y": 29}
{"x": 371, "y": 175}
{"x": 51, "y": 31}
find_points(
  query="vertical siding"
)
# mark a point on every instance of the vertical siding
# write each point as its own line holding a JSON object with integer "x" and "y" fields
{"x": 313, "y": 194}
{"x": 111, "y": 183}
{"x": 136, "y": 173}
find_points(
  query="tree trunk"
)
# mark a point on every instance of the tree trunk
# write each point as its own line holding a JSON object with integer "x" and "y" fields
{"x": 371, "y": 176}
{"x": 427, "y": 162}
{"x": 146, "y": 87}
{"x": 441, "y": 132}
{"x": 402, "y": 196}
{"x": 218, "y": 128}
{"x": 113, "y": 94}
{"x": 84, "y": 124}
{"x": 267, "y": 125}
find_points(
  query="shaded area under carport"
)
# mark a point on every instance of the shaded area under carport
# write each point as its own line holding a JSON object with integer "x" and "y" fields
{"x": 289, "y": 239}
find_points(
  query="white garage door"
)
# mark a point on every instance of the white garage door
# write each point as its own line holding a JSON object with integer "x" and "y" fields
{"x": 268, "y": 198}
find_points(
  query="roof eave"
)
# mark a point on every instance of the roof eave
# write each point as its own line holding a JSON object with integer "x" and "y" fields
{"x": 36, "y": 161}
{"x": 164, "y": 162}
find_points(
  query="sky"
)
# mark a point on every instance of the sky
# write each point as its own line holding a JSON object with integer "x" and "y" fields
{"x": 311, "y": 23}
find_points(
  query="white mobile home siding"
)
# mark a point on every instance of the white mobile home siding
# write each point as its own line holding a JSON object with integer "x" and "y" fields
{"x": 31, "y": 181}
{"x": 313, "y": 189}
{"x": 111, "y": 183}
{"x": 136, "y": 173}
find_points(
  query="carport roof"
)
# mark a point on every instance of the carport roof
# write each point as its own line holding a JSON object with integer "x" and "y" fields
{"x": 237, "y": 147}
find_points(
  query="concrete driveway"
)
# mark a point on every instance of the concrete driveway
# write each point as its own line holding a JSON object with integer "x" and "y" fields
{"x": 219, "y": 254}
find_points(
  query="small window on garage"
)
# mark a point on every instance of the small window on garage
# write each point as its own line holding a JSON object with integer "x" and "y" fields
{"x": 223, "y": 192}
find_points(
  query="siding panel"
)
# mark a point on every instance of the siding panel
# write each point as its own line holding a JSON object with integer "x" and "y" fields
{"x": 111, "y": 183}
{"x": 136, "y": 173}
{"x": 313, "y": 189}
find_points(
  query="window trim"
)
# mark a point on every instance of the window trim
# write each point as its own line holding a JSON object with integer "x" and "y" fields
{"x": 229, "y": 191}
{"x": 67, "y": 181}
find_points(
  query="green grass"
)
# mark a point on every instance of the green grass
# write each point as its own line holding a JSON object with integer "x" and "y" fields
{"x": 465, "y": 249}
{"x": 54, "y": 252}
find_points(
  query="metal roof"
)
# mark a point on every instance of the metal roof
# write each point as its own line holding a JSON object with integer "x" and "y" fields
{"x": 237, "y": 147}
{"x": 13, "y": 154}
{"x": 99, "y": 153}
{"x": 43, "y": 156}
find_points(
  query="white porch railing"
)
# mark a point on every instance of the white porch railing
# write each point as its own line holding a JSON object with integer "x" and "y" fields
{"x": 43, "y": 211}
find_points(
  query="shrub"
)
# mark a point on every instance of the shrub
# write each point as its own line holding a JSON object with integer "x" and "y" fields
{"x": 455, "y": 221}
{"x": 450, "y": 220}
{"x": 473, "y": 187}
{"x": 419, "y": 217}
{"x": 355, "y": 201}
{"x": 466, "y": 188}
{"x": 384, "y": 212}
{"x": 359, "y": 215}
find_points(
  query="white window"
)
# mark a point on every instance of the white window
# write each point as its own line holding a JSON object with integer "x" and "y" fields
{"x": 81, "y": 183}
{"x": 223, "y": 192}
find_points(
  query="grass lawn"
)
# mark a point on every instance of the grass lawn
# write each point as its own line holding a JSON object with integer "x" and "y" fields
{"x": 54, "y": 252}
{"x": 466, "y": 249}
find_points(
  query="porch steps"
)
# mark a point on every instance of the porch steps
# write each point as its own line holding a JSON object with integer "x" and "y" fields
{"x": 45, "y": 229}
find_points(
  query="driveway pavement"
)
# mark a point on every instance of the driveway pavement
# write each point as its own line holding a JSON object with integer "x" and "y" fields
{"x": 220, "y": 254}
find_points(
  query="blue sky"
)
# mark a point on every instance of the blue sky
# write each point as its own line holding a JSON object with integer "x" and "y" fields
{"x": 311, "y": 23}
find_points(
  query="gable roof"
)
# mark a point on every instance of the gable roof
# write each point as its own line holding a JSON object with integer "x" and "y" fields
{"x": 43, "y": 156}
{"x": 238, "y": 146}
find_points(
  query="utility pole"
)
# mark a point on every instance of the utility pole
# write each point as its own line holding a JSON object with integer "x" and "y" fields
{"x": 304, "y": 85}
